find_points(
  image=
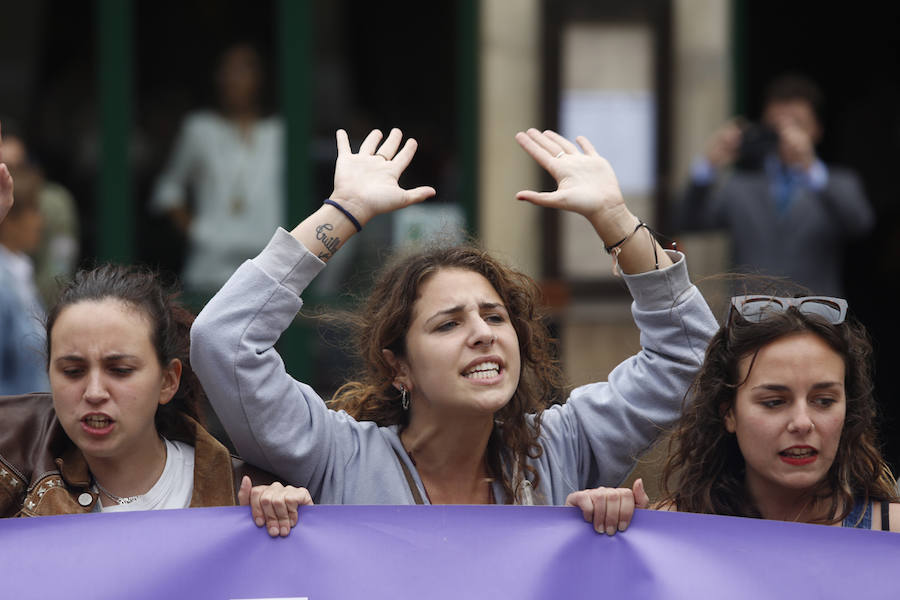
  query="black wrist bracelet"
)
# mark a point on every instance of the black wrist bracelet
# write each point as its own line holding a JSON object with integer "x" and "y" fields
{"x": 347, "y": 214}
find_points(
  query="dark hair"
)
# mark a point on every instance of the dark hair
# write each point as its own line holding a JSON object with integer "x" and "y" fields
{"x": 705, "y": 469}
{"x": 170, "y": 327}
{"x": 795, "y": 87}
{"x": 384, "y": 320}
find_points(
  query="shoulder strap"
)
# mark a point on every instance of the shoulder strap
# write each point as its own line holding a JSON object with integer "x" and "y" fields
{"x": 885, "y": 515}
{"x": 409, "y": 479}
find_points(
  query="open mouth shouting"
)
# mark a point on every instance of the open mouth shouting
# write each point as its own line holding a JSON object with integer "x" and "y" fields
{"x": 97, "y": 423}
{"x": 799, "y": 455}
{"x": 483, "y": 370}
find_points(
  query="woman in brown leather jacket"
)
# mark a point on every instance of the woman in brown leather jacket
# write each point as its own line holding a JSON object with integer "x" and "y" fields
{"x": 120, "y": 429}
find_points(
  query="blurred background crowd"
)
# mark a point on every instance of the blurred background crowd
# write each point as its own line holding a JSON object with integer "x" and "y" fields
{"x": 153, "y": 132}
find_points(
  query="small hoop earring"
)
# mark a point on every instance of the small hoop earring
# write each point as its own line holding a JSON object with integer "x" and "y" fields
{"x": 404, "y": 398}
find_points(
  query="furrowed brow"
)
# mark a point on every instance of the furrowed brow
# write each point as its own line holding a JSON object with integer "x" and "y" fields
{"x": 443, "y": 313}
{"x": 823, "y": 385}
{"x": 491, "y": 305}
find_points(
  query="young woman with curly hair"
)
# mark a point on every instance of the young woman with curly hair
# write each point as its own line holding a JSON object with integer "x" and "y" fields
{"x": 782, "y": 421}
{"x": 456, "y": 401}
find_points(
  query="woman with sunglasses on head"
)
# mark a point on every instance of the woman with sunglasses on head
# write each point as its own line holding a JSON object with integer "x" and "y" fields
{"x": 782, "y": 421}
{"x": 454, "y": 404}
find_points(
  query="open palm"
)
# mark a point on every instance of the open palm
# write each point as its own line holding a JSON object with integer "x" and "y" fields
{"x": 368, "y": 183}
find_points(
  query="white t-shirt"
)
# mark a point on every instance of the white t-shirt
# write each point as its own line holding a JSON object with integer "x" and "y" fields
{"x": 238, "y": 191}
{"x": 174, "y": 487}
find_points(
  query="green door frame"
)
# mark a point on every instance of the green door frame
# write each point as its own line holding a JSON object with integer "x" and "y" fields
{"x": 115, "y": 201}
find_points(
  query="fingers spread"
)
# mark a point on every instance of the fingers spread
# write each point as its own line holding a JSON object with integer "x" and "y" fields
{"x": 539, "y": 198}
{"x": 544, "y": 141}
{"x": 566, "y": 146}
{"x": 419, "y": 194}
{"x": 586, "y": 145}
{"x": 405, "y": 156}
{"x": 371, "y": 142}
{"x": 390, "y": 145}
{"x": 343, "y": 143}
{"x": 534, "y": 150}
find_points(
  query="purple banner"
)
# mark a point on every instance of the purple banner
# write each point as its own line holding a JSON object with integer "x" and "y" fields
{"x": 442, "y": 552}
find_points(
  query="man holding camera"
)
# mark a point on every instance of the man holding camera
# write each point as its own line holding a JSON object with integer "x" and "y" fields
{"x": 788, "y": 213}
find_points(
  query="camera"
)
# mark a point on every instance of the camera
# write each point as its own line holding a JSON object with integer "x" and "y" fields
{"x": 757, "y": 142}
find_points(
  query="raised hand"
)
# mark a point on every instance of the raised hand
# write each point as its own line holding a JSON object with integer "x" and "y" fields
{"x": 610, "y": 509}
{"x": 273, "y": 506}
{"x": 587, "y": 185}
{"x": 6, "y": 185}
{"x": 586, "y": 182}
{"x": 367, "y": 183}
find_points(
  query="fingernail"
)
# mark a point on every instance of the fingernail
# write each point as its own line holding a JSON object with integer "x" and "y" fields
{"x": 285, "y": 531}
{"x": 610, "y": 530}
{"x": 260, "y": 522}
{"x": 273, "y": 531}
{"x": 622, "y": 525}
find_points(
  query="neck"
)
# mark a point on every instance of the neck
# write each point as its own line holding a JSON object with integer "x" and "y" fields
{"x": 799, "y": 506}
{"x": 131, "y": 475}
{"x": 9, "y": 245}
{"x": 243, "y": 116}
{"x": 451, "y": 459}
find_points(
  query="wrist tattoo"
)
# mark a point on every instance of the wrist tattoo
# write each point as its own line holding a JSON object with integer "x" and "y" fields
{"x": 331, "y": 242}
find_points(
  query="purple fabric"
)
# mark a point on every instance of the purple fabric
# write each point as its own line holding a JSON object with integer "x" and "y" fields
{"x": 450, "y": 552}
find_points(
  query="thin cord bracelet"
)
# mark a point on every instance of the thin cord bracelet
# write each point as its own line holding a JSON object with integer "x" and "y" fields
{"x": 346, "y": 212}
{"x": 611, "y": 248}
{"x": 616, "y": 248}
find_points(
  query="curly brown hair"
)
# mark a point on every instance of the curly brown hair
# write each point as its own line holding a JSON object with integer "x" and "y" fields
{"x": 384, "y": 319}
{"x": 705, "y": 470}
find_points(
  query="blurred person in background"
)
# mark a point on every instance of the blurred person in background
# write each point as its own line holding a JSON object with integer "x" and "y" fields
{"x": 229, "y": 163}
{"x": 21, "y": 309}
{"x": 787, "y": 212}
{"x": 56, "y": 255}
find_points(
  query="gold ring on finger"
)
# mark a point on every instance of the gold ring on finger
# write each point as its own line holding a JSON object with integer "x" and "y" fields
{"x": 561, "y": 152}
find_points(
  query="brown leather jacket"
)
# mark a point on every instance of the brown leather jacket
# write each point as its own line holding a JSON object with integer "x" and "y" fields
{"x": 43, "y": 473}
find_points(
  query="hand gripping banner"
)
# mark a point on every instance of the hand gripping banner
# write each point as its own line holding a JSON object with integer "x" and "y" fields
{"x": 440, "y": 552}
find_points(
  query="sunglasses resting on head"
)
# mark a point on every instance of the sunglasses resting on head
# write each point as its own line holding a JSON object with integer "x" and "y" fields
{"x": 756, "y": 308}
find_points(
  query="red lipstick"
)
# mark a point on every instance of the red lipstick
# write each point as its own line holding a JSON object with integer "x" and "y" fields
{"x": 799, "y": 455}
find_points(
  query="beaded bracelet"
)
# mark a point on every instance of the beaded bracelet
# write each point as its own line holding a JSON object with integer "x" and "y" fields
{"x": 346, "y": 212}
